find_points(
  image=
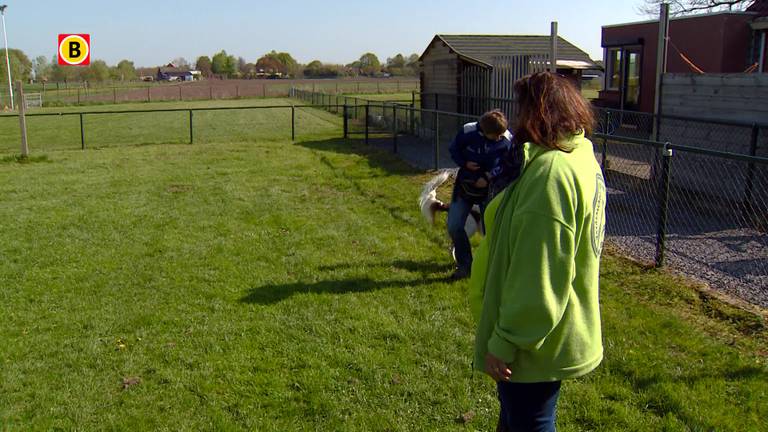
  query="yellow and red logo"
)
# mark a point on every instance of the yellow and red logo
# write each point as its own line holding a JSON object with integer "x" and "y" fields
{"x": 74, "y": 49}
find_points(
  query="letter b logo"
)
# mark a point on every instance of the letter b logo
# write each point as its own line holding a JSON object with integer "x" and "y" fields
{"x": 74, "y": 49}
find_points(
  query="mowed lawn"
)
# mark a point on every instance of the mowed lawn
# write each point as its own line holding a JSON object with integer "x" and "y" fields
{"x": 62, "y": 132}
{"x": 258, "y": 284}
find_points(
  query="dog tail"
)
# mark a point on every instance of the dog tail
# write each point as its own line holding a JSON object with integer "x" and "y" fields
{"x": 428, "y": 201}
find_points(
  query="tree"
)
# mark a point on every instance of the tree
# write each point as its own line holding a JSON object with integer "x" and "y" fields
{"x": 243, "y": 67}
{"x": 42, "y": 68}
{"x": 203, "y": 64}
{"x": 181, "y": 63}
{"x": 682, "y": 7}
{"x": 313, "y": 69}
{"x": 270, "y": 65}
{"x": 98, "y": 71}
{"x": 396, "y": 65}
{"x": 223, "y": 64}
{"x": 369, "y": 64}
{"x": 21, "y": 66}
{"x": 63, "y": 73}
{"x": 291, "y": 66}
{"x": 317, "y": 69}
{"x": 125, "y": 71}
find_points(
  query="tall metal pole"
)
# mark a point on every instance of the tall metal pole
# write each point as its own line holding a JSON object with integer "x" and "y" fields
{"x": 553, "y": 48}
{"x": 23, "y": 122}
{"x": 661, "y": 64}
{"x": 7, "y": 59}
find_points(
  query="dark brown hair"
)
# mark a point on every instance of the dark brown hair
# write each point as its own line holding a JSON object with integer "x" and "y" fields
{"x": 494, "y": 122}
{"x": 551, "y": 109}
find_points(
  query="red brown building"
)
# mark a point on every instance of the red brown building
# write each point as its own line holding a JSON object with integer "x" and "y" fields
{"x": 724, "y": 42}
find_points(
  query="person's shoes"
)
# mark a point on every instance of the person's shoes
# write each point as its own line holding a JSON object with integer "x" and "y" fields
{"x": 459, "y": 274}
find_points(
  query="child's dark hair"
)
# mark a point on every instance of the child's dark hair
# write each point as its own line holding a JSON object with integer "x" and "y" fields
{"x": 494, "y": 122}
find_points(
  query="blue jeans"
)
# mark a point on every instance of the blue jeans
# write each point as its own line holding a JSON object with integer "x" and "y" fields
{"x": 528, "y": 407}
{"x": 457, "y": 217}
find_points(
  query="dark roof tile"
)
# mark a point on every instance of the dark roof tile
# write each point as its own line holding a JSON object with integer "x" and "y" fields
{"x": 484, "y": 47}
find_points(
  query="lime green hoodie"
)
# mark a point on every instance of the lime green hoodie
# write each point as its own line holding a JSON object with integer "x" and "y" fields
{"x": 534, "y": 278}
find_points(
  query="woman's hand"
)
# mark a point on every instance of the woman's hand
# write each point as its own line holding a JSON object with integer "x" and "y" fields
{"x": 496, "y": 368}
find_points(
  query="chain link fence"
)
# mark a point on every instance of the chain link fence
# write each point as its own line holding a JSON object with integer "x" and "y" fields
{"x": 696, "y": 200}
{"x": 62, "y": 94}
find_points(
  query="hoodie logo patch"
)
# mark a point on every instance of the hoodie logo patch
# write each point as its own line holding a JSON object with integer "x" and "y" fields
{"x": 598, "y": 216}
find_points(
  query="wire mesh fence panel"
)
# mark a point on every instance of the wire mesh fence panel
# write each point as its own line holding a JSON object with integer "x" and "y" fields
{"x": 310, "y": 123}
{"x": 631, "y": 124}
{"x": 717, "y": 226}
{"x": 243, "y": 125}
{"x": 44, "y": 133}
{"x": 713, "y": 136}
{"x": 10, "y": 135}
{"x": 124, "y": 129}
{"x": 633, "y": 205}
{"x": 761, "y": 145}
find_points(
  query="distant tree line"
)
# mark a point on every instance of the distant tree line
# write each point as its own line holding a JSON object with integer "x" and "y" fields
{"x": 42, "y": 69}
{"x": 222, "y": 65}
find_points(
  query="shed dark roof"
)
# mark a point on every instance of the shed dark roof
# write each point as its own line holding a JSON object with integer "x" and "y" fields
{"x": 482, "y": 48}
{"x": 760, "y": 7}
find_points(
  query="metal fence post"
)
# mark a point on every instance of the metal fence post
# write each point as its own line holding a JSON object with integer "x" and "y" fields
{"x": 346, "y": 121}
{"x": 180, "y": 97}
{"x": 191, "y": 133}
{"x": 603, "y": 163}
{"x": 748, "y": 206}
{"x": 412, "y": 119}
{"x": 367, "y": 109}
{"x": 23, "y": 120}
{"x": 394, "y": 128}
{"x": 293, "y": 123}
{"x": 82, "y": 133}
{"x": 114, "y": 94}
{"x": 661, "y": 233}
{"x": 149, "y": 95}
{"x": 437, "y": 141}
{"x": 437, "y": 102}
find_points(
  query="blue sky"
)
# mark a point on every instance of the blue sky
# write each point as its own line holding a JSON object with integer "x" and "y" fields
{"x": 336, "y": 31}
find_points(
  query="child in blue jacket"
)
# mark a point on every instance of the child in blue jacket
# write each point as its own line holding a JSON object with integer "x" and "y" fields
{"x": 478, "y": 151}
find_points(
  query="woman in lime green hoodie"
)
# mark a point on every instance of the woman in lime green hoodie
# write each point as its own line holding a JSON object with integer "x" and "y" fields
{"x": 534, "y": 285}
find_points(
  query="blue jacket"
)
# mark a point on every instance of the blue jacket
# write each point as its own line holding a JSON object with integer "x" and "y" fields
{"x": 470, "y": 145}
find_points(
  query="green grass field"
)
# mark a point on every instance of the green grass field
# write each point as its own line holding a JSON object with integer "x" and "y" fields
{"x": 48, "y": 133}
{"x": 251, "y": 283}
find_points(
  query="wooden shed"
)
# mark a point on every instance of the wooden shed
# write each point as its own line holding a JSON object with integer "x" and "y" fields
{"x": 465, "y": 73}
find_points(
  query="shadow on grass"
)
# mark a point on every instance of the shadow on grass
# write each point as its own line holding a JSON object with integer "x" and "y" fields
{"x": 275, "y": 293}
{"x": 659, "y": 400}
{"x": 411, "y": 266}
{"x": 25, "y": 159}
{"x": 377, "y": 157}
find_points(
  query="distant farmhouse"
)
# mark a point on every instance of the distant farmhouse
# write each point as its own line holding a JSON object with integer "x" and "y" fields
{"x": 721, "y": 42}
{"x": 463, "y": 73}
{"x": 171, "y": 72}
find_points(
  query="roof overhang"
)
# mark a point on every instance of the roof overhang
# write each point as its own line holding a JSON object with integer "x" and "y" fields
{"x": 452, "y": 50}
{"x": 576, "y": 64}
{"x": 680, "y": 18}
{"x": 760, "y": 24}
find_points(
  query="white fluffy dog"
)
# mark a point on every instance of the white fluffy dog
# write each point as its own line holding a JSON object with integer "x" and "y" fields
{"x": 430, "y": 205}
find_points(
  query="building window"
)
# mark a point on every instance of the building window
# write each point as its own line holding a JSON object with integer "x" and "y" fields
{"x": 613, "y": 69}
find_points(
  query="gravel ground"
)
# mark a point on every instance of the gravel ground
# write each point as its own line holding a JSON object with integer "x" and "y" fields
{"x": 714, "y": 247}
